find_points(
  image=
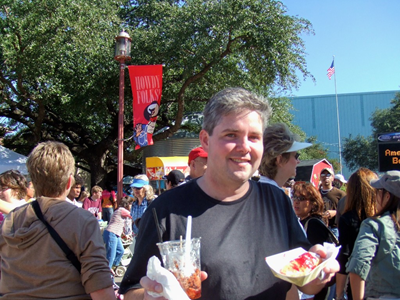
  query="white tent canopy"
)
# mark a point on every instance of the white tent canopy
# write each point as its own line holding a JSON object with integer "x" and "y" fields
{"x": 10, "y": 160}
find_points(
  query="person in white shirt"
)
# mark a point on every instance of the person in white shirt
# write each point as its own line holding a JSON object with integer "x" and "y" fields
{"x": 73, "y": 196}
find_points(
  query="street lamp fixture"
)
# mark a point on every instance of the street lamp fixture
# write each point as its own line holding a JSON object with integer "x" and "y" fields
{"x": 122, "y": 54}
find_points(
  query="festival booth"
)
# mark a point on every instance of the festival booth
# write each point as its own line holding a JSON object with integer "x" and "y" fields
{"x": 157, "y": 167}
{"x": 309, "y": 170}
{"x": 10, "y": 160}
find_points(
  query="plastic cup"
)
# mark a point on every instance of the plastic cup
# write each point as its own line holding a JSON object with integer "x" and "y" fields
{"x": 186, "y": 268}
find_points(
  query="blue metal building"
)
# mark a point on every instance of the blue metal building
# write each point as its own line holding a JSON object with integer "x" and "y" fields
{"x": 316, "y": 116}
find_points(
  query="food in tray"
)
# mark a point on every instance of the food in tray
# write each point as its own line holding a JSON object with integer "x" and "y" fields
{"x": 301, "y": 265}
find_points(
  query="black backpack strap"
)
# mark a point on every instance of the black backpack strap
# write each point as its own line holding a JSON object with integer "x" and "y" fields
{"x": 332, "y": 236}
{"x": 68, "y": 252}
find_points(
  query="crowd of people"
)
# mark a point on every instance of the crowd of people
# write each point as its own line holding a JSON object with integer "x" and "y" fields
{"x": 240, "y": 220}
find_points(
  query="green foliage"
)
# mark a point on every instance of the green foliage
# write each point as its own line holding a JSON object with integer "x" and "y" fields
{"x": 209, "y": 45}
{"x": 58, "y": 79}
{"x": 362, "y": 151}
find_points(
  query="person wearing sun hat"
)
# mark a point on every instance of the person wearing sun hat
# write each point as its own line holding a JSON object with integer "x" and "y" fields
{"x": 279, "y": 161}
{"x": 143, "y": 194}
{"x": 374, "y": 264}
{"x": 280, "y": 157}
{"x": 339, "y": 181}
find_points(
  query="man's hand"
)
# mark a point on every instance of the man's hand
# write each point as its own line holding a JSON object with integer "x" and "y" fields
{"x": 330, "y": 270}
{"x": 152, "y": 286}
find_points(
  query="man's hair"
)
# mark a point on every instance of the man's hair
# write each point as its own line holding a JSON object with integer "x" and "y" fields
{"x": 79, "y": 180}
{"x": 15, "y": 181}
{"x": 50, "y": 164}
{"x": 277, "y": 139}
{"x": 96, "y": 189}
{"x": 233, "y": 100}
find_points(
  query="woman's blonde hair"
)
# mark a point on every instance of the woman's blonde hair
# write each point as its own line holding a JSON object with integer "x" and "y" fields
{"x": 149, "y": 191}
{"x": 50, "y": 165}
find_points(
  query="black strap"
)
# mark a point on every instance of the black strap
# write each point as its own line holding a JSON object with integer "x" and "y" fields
{"x": 332, "y": 236}
{"x": 68, "y": 252}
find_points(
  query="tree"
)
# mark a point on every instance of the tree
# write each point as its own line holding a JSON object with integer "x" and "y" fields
{"x": 363, "y": 151}
{"x": 58, "y": 80}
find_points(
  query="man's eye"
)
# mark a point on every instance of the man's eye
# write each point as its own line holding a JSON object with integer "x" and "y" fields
{"x": 255, "y": 138}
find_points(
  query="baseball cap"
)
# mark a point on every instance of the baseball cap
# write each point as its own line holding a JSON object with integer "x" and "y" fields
{"x": 330, "y": 170}
{"x": 340, "y": 177}
{"x": 176, "y": 177}
{"x": 139, "y": 183}
{"x": 390, "y": 181}
{"x": 197, "y": 152}
{"x": 296, "y": 146}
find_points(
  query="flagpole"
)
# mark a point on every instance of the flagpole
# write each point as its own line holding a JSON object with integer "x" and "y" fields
{"x": 338, "y": 123}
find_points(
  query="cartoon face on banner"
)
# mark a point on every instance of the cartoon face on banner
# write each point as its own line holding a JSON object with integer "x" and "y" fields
{"x": 151, "y": 114}
{"x": 146, "y": 82}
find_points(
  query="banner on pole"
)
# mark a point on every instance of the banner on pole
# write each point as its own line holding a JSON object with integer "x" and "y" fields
{"x": 146, "y": 82}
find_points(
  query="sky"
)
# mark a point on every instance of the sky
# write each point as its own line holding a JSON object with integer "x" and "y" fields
{"x": 362, "y": 35}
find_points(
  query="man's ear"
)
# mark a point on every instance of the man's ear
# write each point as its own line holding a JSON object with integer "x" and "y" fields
{"x": 279, "y": 160}
{"x": 69, "y": 182}
{"x": 204, "y": 139}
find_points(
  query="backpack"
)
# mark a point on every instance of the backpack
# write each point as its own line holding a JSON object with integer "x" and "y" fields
{"x": 331, "y": 236}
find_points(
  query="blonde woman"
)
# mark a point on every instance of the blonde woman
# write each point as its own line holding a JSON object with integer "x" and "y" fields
{"x": 143, "y": 194}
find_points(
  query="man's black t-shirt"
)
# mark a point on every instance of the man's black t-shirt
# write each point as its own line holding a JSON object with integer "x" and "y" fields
{"x": 235, "y": 239}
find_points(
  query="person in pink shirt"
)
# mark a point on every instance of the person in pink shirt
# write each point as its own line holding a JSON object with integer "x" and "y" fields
{"x": 121, "y": 222}
{"x": 108, "y": 203}
{"x": 93, "y": 203}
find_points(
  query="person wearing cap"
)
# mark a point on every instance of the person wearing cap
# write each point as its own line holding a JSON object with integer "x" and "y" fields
{"x": 374, "y": 264}
{"x": 280, "y": 157}
{"x": 142, "y": 196}
{"x": 197, "y": 163}
{"x": 331, "y": 196}
{"x": 279, "y": 162}
{"x": 339, "y": 181}
{"x": 174, "y": 178}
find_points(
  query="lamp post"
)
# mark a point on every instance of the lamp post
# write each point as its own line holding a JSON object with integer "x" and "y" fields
{"x": 122, "y": 54}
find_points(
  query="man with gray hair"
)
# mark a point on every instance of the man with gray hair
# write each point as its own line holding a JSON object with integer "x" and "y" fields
{"x": 240, "y": 221}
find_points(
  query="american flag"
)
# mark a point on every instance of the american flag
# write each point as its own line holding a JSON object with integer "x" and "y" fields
{"x": 331, "y": 70}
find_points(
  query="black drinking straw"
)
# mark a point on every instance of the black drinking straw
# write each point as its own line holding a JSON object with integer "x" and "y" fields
{"x": 157, "y": 225}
